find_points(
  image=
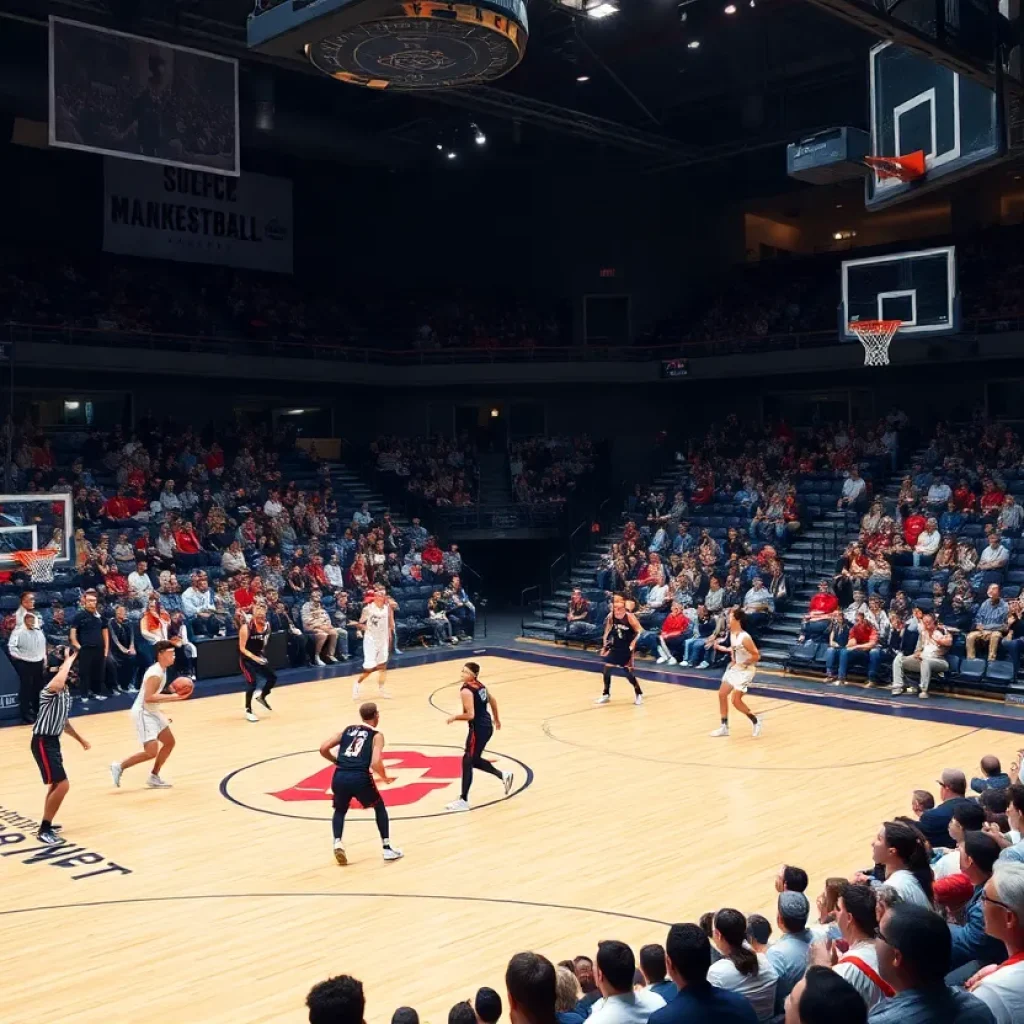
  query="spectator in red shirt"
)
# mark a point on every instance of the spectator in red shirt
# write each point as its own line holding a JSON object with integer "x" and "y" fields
{"x": 120, "y": 508}
{"x": 433, "y": 556}
{"x": 820, "y": 610}
{"x": 863, "y": 637}
{"x": 964, "y": 497}
{"x": 315, "y": 572}
{"x": 215, "y": 459}
{"x": 991, "y": 498}
{"x": 913, "y": 527}
{"x": 189, "y": 548}
{"x": 673, "y": 634}
{"x": 247, "y": 591}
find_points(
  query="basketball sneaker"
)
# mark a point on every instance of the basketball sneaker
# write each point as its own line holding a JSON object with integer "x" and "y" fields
{"x": 722, "y": 730}
{"x": 506, "y": 781}
{"x": 250, "y": 717}
{"x": 155, "y": 782}
{"x": 757, "y": 728}
{"x": 638, "y": 699}
{"x": 391, "y": 853}
{"x": 603, "y": 699}
{"x": 458, "y": 805}
{"x": 260, "y": 699}
{"x": 339, "y": 853}
{"x": 49, "y": 838}
{"x": 116, "y": 771}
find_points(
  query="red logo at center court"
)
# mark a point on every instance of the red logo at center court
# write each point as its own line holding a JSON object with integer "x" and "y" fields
{"x": 418, "y": 775}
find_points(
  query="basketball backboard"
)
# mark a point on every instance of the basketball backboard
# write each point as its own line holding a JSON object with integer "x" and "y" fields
{"x": 29, "y": 522}
{"x": 918, "y": 288}
{"x": 920, "y": 105}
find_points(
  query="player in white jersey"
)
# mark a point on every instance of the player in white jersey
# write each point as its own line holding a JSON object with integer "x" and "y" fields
{"x": 153, "y": 727}
{"x": 377, "y": 625}
{"x": 743, "y": 659}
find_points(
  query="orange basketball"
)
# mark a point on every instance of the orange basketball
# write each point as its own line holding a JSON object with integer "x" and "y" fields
{"x": 183, "y": 686}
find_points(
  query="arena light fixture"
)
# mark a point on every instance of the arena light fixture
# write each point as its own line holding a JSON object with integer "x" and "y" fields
{"x": 439, "y": 147}
{"x": 495, "y": 413}
{"x": 72, "y": 406}
{"x": 451, "y": 154}
{"x": 583, "y": 78}
{"x": 730, "y": 9}
{"x": 602, "y": 10}
{"x": 479, "y": 138}
{"x": 693, "y": 44}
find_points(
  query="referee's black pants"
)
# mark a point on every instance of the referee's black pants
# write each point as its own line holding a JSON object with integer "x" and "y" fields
{"x": 92, "y": 670}
{"x": 30, "y": 682}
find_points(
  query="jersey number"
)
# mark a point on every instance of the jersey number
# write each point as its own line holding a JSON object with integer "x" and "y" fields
{"x": 357, "y": 744}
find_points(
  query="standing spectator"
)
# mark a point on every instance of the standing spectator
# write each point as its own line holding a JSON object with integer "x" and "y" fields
{"x": 90, "y": 638}
{"x": 688, "y": 959}
{"x": 742, "y": 970}
{"x": 913, "y": 958}
{"x": 614, "y": 969}
{"x": 27, "y": 649}
{"x": 122, "y": 649}
{"x": 452, "y": 561}
{"x": 1002, "y": 989}
{"x": 788, "y": 954}
{"x": 991, "y": 623}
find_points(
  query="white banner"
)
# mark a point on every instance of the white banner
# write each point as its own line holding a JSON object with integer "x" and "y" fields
{"x": 172, "y": 213}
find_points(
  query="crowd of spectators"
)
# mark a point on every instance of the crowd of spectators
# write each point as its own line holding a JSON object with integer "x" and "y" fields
{"x": 177, "y": 533}
{"x": 928, "y": 930}
{"x": 687, "y": 556}
{"x": 549, "y": 468}
{"x": 437, "y": 471}
{"x": 932, "y": 584}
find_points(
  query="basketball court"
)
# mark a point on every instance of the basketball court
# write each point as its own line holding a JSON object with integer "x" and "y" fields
{"x": 219, "y": 900}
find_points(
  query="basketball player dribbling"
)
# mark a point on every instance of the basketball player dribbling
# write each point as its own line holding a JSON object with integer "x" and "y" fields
{"x": 153, "y": 727}
{"x": 621, "y": 631}
{"x": 360, "y": 753}
{"x": 377, "y": 626}
{"x": 253, "y": 636}
{"x": 743, "y": 659}
{"x": 480, "y": 710}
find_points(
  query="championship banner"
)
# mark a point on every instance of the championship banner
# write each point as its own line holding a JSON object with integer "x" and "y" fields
{"x": 171, "y": 213}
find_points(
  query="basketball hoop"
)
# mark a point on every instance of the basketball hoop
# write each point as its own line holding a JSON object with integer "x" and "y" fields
{"x": 875, "y": 336}
{"x": 904, "y": 168}
{"x": 38, "y": 563}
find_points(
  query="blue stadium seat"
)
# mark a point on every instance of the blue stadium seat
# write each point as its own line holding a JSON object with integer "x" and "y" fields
{"x": 999, "y": 672}
{"x": 972, "y": 669}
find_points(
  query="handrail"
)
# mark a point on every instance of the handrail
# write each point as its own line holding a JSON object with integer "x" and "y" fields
{"x": 522, "y": 606}
{"x": 481, "y": 605}
{"x": 572, "y": 538}
{"x": 551, "y": 574}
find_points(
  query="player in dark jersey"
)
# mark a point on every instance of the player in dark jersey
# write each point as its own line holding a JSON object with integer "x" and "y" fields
{"x": 480, "y": 710}
{"x": 253, "y": 636}
{"x": 621, "y": 631}
{"x": 360, "y": 752}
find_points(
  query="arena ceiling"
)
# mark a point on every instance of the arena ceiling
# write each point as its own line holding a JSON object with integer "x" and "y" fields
{"x": 763, "y": 76}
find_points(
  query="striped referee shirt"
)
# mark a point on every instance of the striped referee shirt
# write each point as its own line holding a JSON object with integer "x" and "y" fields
{"x": 54, "y": 709}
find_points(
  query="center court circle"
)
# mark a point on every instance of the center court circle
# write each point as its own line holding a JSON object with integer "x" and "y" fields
{"x": 298, "y": 785}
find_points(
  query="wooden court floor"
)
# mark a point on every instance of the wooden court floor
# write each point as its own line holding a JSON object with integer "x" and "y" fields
{"x": 621, "y": 819}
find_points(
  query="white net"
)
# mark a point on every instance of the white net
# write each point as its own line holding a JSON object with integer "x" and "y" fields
{"x": 875, "y": 336}
{"x": 39, "y": 564}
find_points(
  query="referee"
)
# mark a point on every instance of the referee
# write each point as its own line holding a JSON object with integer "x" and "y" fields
{"x": 51, "y": 723}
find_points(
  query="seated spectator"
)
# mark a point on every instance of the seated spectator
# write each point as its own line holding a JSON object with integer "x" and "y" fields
{"x": 992, "y": 560}
{"x": 968, "y": 816}
{"x": 978, "y": 854}
{"x": 759, "y": 605}
{"x": 819, "y": 612}
{"x": 189, "y": 549}
{"x": 487, "y": 1006}
{"x": 822, "y": 997}
{"x": 927, "y": 544}
{"x": 759, "y": 932}
{"x": 583, "y": 967}
{"x": 1002, "y": 989}
{"x": 934, "y": 824}
{"x": 334, "y": 572}
{"x": 698, "y": 650}
{"x": 654, "y": 969}
{"x": 140, "y": 585}
{"x": 791, "y": 879}
{"x": 1011, "y": 517}
{"x": 437, "y": 619}
{"x": 900, "y": 850}
{"x": 233, "y": 559}
{"x": 992, "y": 775}
{"x": 991, "y": 623}
{"x": 788, "y": 954}
{"x": 854, "y": 490}
{"x": 914, "y": 947}
{"x": 672, "y": 638}
{"x": 338, "y": 1000}
{"x": 688, "y": 960}
{"x": 862, "y": 638}
{"x": 567, "y": 995}
{"x": 433, "y": 558}
{"x": 461, "y": 611}
{"x": 913, "y": 526}
{"x": 614, "y": 968}
{"x": 578, "y": 609}
{"x": 316, "y": 623}
{"x": 741, "y": 970}
{"x": 939, "y": 495}
{"x": 933, "y": 641}
{"x": 200, "y": 610}
{"x": 921, "y": 801}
